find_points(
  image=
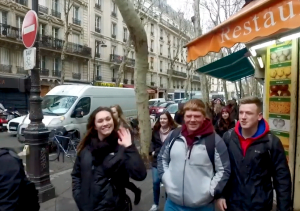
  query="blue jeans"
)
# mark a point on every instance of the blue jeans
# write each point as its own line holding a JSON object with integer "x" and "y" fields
{"x": 156, "y": 185}
{"x": 170, "y": 206}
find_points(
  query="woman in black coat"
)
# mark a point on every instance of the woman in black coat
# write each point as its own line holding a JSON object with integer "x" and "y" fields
{"x": 106, "y": 159}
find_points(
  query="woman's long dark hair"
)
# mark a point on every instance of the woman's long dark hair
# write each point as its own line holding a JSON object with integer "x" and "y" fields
{"x": 90, "y": 128}
{"x": 171, "y": 122}
{"x": 224, "y": 124}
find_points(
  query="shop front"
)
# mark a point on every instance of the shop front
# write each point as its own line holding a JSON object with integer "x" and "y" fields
{"x": 14, "y": 93}
{"x": 271, "y": 31}
{"x": 152, "y": 92}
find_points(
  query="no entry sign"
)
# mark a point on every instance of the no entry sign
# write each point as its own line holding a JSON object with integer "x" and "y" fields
{"x": 30, "y": 28}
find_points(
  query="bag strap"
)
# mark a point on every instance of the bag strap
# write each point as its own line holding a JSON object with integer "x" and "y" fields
{"x": 210, "y": 148}
{"x": 175, "y": 133}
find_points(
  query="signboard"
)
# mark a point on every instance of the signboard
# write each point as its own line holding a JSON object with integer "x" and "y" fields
{"x": 29, "y": 56}
{"x": 30, "y": 28}
{"x": 279, "y": 91}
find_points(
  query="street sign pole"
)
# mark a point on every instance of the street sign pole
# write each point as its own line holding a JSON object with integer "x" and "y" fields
{"x": 36, "y": 134}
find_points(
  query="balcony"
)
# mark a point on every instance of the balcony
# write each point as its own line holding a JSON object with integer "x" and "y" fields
{"x": 5, "y": 68}
{"x": 113, "y": 80}
{"x": 23, "y": 2}
{"x": 77, "y": 21}
{"x": 197, "y": 78}
{"x": 79, "y": 49}
{"x": 43, "y": 9}
{"x": 44, "y": 72}
{"x": 114, "y": 36}
{"x": 55, "y": 13}
{"x": 177, "y": 73}
{"x": 97, "y": 29}
{"x": 152, "y": 83}
{"x": 170, "y": 26}
{"x": 20, "y": 70}
{"x": 10, "y": 31}
{"x": 130, "y": 62}
{"x": 98, "y": 6}
{"x": 118, "y": 59}
{"x": 50, "y": 42}
{"x": 76, "y": 76}
{"x": 98, "y": 78}
{"x": 56, "y": 73}
{"x": 125, "y": 81}
{"x": 132, "y": 81}
{"x": 114, "y": 14}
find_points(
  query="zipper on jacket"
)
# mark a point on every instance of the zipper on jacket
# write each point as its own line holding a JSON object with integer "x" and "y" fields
{"x": 186, "y": 157}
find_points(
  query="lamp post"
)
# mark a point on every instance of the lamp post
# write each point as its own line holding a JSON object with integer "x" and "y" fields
{"x": 101, "y": 44}
{"x": 36, "y": 134}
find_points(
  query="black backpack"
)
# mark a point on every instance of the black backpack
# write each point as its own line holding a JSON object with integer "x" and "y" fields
{"x": 209, "y": 143}
{"x": 28, "y": 198}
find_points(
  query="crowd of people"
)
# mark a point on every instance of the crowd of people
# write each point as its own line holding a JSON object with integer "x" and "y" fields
{"x": 209, "y": 156}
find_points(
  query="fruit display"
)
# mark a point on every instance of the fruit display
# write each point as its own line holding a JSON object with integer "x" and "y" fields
{"x": 281, "y": 90}
{"x": 281, "y": 56}
{"x": 280, "y": 73}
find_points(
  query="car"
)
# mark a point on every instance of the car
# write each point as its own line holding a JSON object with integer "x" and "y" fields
{"x": 156, "y": 111}
{"x": 172, "y": 109}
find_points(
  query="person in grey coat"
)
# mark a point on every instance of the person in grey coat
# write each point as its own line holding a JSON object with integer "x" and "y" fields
{"x": 194, "y": 165}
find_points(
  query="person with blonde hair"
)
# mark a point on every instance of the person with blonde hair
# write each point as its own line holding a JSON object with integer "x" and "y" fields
{"x": 193, "y": 162}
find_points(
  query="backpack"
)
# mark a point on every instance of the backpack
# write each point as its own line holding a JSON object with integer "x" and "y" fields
{"x": 209, "y": 143}
{"x": 28, "y": 197}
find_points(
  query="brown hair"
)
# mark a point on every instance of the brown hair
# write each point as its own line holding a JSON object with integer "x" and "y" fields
{"x": 121, "y": 116}
{"x": 252, "y": 100}
{"x": 171, "y": 122}
{"x": 195, "y": 105}
{"x": 90, "y": 128}
{"x": 217, "y": 108}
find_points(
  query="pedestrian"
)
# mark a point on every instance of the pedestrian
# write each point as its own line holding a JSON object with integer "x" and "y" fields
{"x": 258, "y": 163}
{"x": 161, "y": 130}
{"x": 224, "y": 123}
{"x": 16, "y": 191}
{"x": 105, "y": 161}
{"x": 193, "y": 162}
{"x": 178, "y": 115}
{"x": 217, "y": 113}
{"x": 118, "y": 114}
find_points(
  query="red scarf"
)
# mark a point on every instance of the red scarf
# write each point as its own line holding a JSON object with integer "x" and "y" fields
{"x": 205, "y": 129}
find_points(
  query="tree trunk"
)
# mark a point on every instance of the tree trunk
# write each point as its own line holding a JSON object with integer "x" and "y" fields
{"x": 247, "y": 87}
{"x": 225, "y": 90}
{"x": 236, "y": 90}
{"x": 139, "y": 39}
{"x": 187, "y": 83}
{"x": 121, "y": 72}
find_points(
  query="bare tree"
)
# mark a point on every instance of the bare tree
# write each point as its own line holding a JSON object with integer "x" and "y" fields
{"x": 68, "y": 5}
{"x": 143, "y": 13}
{"x": 139, "y": 39}
{"x": 198, "y": 31}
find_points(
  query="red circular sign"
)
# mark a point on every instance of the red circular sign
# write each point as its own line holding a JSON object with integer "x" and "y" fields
{"x": 30, "y": 28}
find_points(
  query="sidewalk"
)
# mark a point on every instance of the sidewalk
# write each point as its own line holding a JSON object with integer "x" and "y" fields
{"x": 64, "y": 200}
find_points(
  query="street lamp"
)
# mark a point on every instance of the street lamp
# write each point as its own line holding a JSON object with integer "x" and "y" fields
{"x": 103, "y": 45}
{"x": 36, "y": 134}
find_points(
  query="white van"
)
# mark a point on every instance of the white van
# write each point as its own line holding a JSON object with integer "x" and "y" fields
{"x": 71, "y": 105}
{"x": 155, "y": 101}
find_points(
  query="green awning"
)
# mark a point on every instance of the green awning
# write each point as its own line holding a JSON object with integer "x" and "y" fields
{"x": 230, "y": 68}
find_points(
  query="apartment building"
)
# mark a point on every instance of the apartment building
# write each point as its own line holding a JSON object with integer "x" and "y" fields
{"x": 109, "y": 35}
{"x": 51, "y": 36}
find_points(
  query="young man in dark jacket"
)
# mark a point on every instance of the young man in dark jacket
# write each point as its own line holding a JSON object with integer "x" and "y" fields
{"x": 257, "y": 157}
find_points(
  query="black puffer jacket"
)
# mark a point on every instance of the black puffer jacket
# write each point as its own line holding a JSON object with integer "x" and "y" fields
{"x": 101, "y": 173}
{"x": 250, "y": 186}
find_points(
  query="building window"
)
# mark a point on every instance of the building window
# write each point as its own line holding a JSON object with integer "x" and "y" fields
{"x": 55, "y": 33}
{"x": 161, "y": 65}
{"x": 132, "y": 55}
{"x": 169, "y": 52}
{"x": 98, "y": 24}
{"x": 125, "y": 34}
{"x": 161, "y": 49}
{"x": 19, "y": 22}
{"x": 76, "y": 39}
{"x": 114, "y": 9}
{"x": 42, "y": 30}
{"x": 152, "y": 29}
{"x": 161, "y": 33}
{"x": 98, "y": 4}
{"x": 76, "y": 13}
{"x": 113, "y": 49}
{"x": 4, "y": 56}
{"x": 97, "y": 49}
{"x": 114, "y": 30}
{"x": 55, "y": 5}
{"x": 152, "y": 45}
{"x": 3, "y": 17}
{"x": 174, "y": 54}
{"x": 98, "y": 70}
{"x": 181, "y": 69}
{"x": 43, "y": 63}
{"x": 56, "y": 65}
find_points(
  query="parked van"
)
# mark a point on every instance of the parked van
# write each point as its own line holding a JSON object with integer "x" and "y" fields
{"x": 156, "y": 101}
{"x": 71, "y": 105}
